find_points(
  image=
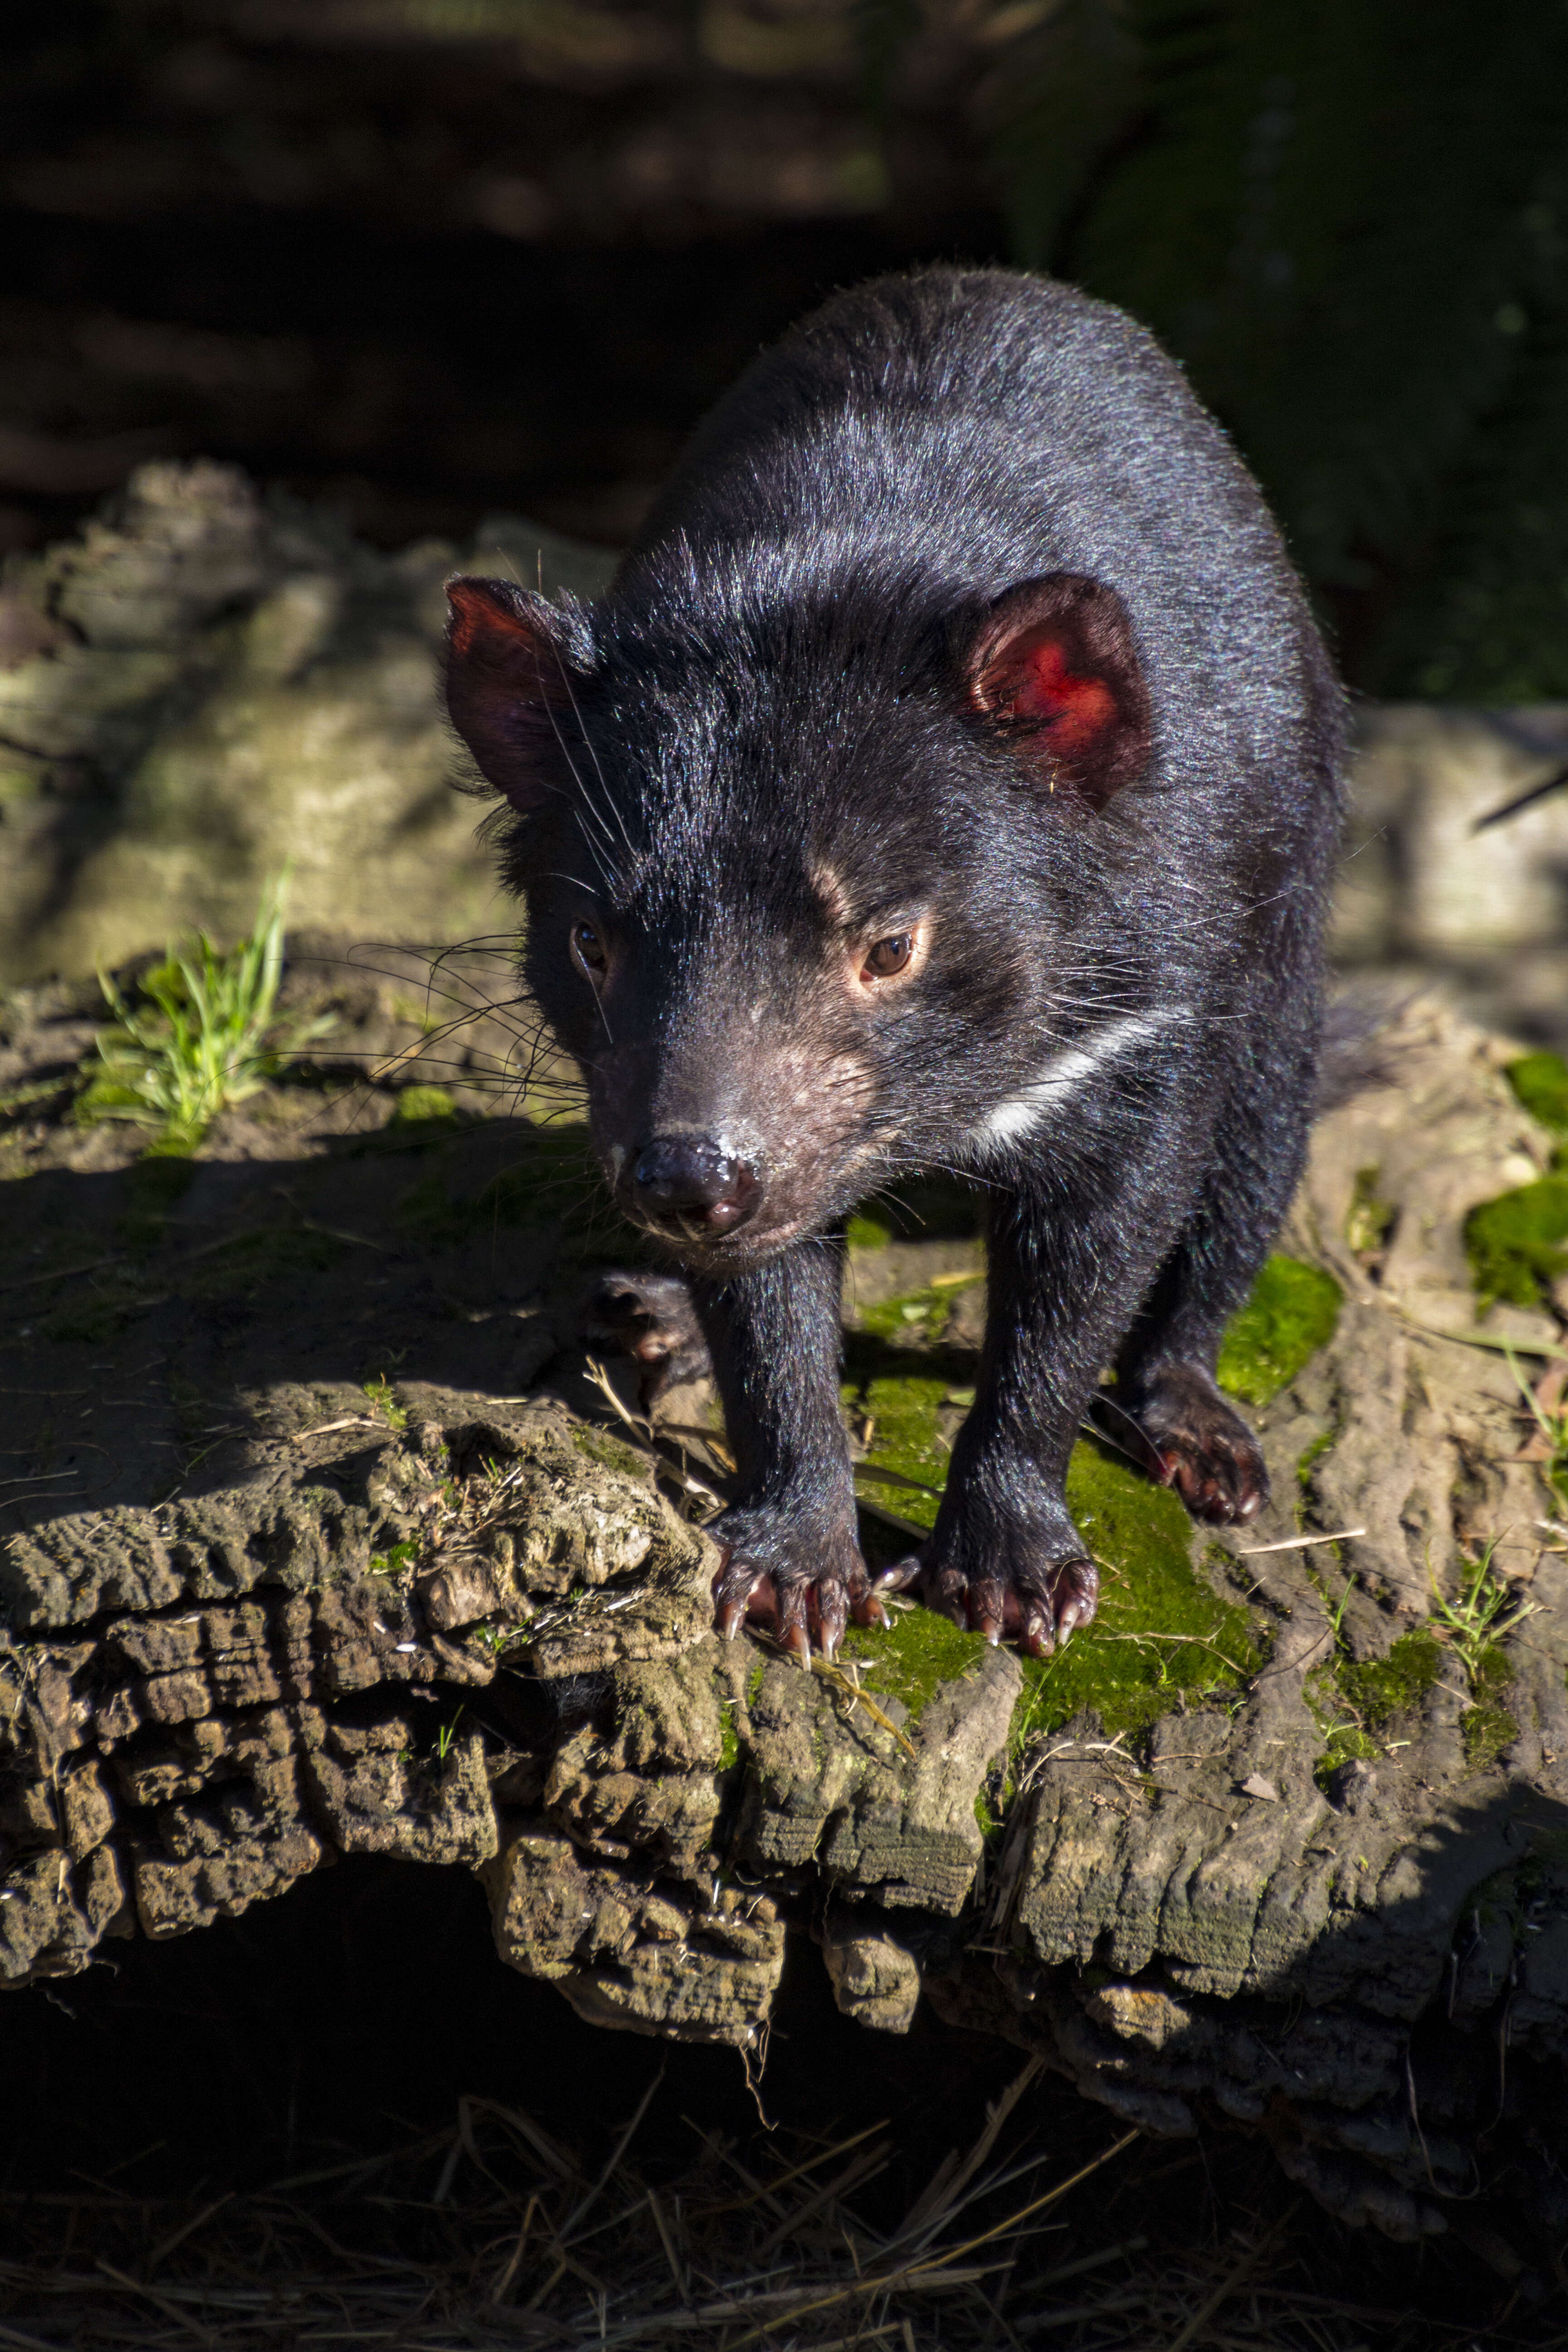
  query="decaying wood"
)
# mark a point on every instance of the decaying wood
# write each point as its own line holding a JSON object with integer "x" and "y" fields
{"x": 483, "y": 1638}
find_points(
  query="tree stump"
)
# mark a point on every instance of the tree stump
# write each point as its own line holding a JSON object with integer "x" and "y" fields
{"x": 1282, "y": 1838}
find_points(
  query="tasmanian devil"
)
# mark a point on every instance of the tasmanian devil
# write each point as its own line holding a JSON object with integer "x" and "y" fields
{"x": 948, "y": 780}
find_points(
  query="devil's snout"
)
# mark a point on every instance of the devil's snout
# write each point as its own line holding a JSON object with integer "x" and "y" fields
{"x": 692, "y": 1185}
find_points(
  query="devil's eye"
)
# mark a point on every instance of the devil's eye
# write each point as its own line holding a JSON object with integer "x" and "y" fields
{"x": 889, "y": 956}
{"x": 587, "y": 949}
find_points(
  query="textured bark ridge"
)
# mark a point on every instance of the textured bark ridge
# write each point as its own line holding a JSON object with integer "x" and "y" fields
{"x": 1315, "y": 1882}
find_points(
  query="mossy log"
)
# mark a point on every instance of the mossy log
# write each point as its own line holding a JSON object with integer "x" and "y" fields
{"x": 1282, "y": 1838}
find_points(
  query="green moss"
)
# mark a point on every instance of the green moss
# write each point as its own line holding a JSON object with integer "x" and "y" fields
{"x": 1344, "y": 1743}
{"x": 1291, "y": 1313}
{"x": 907, "y": 1438}
{"x": 1515, "y": 1244}
{"x": 417, "y": 1106}
{"x": 1322, "y": 1444}
{"x": 1369, "y": 1219}
{"x": 917, "y": 1650}
{"x": 915, "y": 1319}
{"x": 1486, "y": 1732}
{"x": 1162, "y": 1637}
{"x": 868, "y": 1234}
{"x": 1541, "y": 1082}
{"x": 1162, "y": 1634}
{"x": 1380, "y": 1688}
{"x": 609, "y": 1452}
{"x": 902, "y": 1381}
{"x": 1486, "y": 1727}
{"x": 1358, "y": 1702}
{"x": 729, "y": 1738}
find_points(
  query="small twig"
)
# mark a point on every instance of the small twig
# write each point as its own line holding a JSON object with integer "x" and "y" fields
{"x": 1481, "y": 1339}
{"x": 1297, "y": 1543}
{"x": 893, "y": 1478}
{"x": 60, "y": 1273}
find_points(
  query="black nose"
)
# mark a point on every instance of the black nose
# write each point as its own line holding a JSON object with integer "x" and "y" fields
{"x": 689, "y": 1182}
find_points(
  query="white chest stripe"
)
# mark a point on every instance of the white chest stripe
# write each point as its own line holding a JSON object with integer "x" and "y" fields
{"x": 1063, "y": 1075}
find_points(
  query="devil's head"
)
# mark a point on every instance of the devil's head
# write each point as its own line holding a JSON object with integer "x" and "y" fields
{"x": 813, "y": 880}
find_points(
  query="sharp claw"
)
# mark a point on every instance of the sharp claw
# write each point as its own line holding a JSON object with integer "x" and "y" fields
{"x": 991, "y": 1630}
{"x": 797, "y": 1643}
{"x": 730, "y": 1617}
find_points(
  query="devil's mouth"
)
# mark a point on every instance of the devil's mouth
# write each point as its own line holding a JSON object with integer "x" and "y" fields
{"x": 749, "y": 1244}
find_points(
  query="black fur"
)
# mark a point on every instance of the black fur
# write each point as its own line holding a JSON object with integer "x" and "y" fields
{"x": 781, "y": 735}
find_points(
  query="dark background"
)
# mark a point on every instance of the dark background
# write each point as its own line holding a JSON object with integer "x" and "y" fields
{"x": 431, "y": 258}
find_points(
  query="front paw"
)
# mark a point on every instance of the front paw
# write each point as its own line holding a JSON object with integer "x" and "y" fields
{"x": 1187, "y": 1436}
{"x": 796, "y": 1575}
{"x": 1017, "y": 1593}
{"x": 650, "y": 1317}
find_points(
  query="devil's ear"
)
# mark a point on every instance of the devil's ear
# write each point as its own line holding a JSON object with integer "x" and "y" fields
{"x": 512, "y": 685}
{"x": 1053, "y": 663}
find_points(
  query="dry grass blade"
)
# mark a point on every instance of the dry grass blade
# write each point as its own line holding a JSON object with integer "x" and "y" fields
{"x": 848, "y": 1688}
{"x": 1229, "y": 2283}
{"x": 576, "y": 2218}
{"x": 644, "y": 1432}
{"x": 811, "y": 2256}
{"x": 797, "y": 2171}
{"x": 861, "y": 2169}
{"x": 942, "y": 2194}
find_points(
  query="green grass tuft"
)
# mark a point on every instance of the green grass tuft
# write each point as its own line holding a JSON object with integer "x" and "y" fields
{"x": 204, "y": 1036}
{"x": 378, "y": 1390}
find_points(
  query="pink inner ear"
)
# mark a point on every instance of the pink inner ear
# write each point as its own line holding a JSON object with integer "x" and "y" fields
{"x": 481, "y": 621}
{"x": 1035, "y": 681}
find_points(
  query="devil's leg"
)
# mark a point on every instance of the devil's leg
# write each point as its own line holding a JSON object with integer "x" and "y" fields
{"x": 1072, "y": 1251}
{"x": 1167, "y": 1407}
{"x": 776, "y": 1340}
